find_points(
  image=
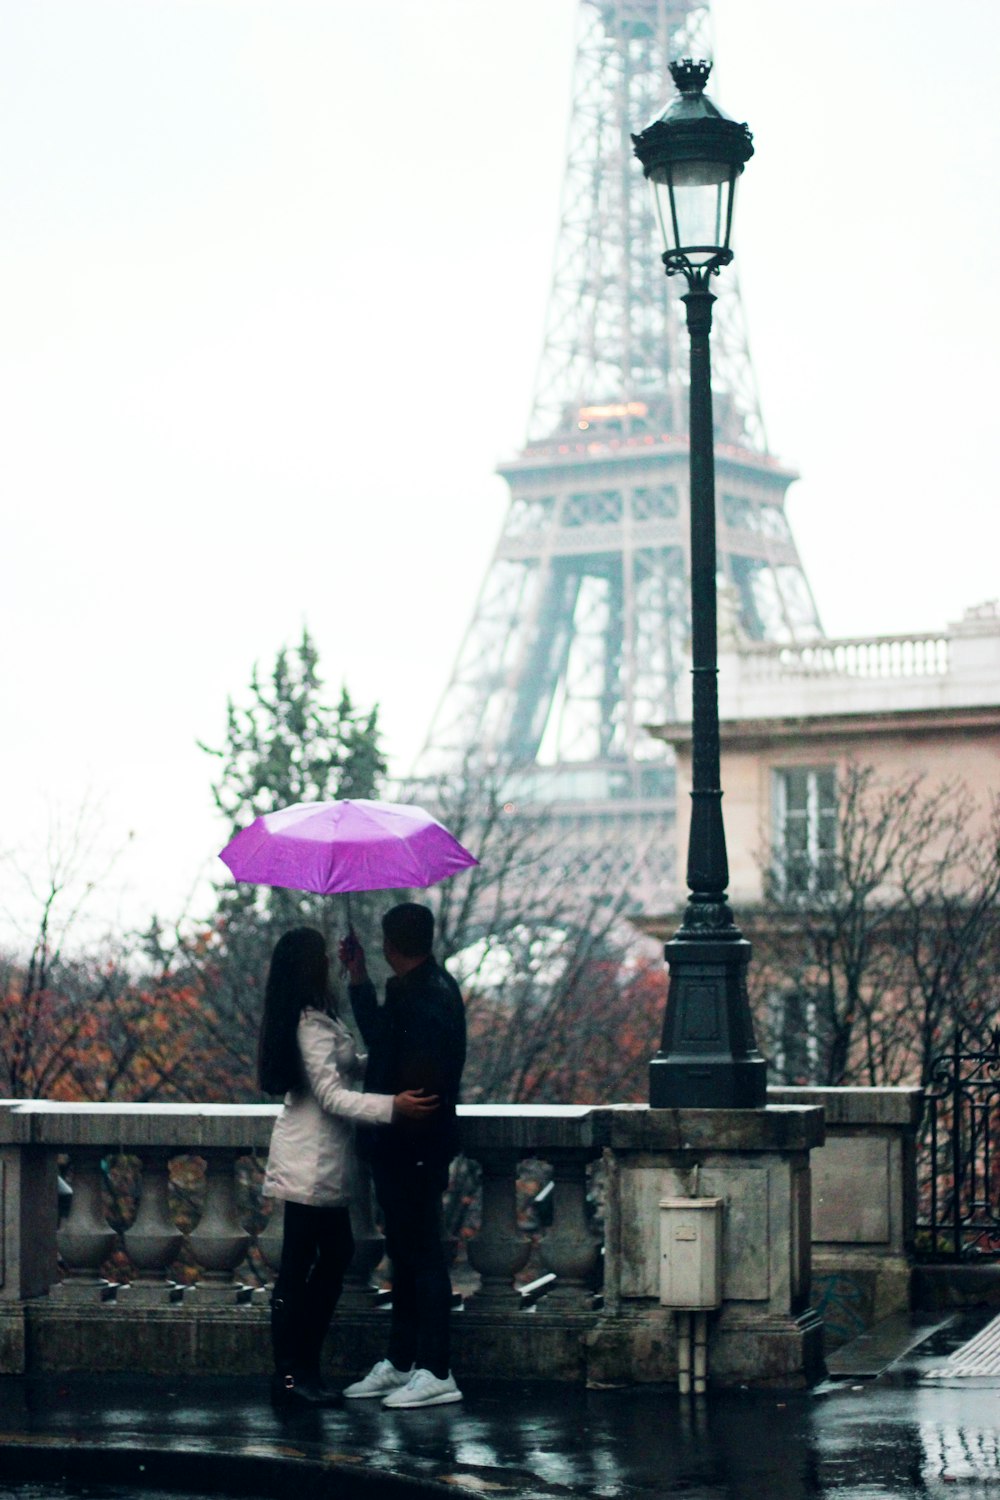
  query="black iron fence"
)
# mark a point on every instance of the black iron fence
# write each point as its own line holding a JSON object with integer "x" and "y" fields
{"x": 958, "y": 1176}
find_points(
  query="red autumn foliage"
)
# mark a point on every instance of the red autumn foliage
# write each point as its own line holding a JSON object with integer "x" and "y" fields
{"x": 91, "y": 1030}
{"x": 584, "y": 1042}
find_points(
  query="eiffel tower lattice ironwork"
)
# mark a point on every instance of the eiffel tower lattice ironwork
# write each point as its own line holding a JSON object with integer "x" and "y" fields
{"x": 579, "y": 637}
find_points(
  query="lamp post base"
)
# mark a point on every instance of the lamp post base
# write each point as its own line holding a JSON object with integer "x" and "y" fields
{"x": 688, "y": 1082}
{"x": 708, "y": 1059}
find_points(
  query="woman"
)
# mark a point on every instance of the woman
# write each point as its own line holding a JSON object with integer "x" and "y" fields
{"x": 306, "y": 1053}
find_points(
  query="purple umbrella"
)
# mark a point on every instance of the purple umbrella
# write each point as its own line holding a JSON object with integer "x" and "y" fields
{"x": 350, "y": 845}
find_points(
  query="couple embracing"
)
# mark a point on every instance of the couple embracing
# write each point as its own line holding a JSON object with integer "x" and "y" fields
{"x": 406, "y": 1128}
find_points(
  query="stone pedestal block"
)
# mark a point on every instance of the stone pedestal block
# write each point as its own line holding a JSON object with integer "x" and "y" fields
{"x": 757, "y": 1162}
{"x": 28, "y": 1218}
{"x": 864, "y": 1204}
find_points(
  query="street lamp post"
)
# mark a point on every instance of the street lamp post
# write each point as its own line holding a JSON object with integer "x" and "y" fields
{"x": 693, "y": 155}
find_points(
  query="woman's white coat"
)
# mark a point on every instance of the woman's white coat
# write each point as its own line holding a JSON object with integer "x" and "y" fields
{"x": 312, "y": 1158}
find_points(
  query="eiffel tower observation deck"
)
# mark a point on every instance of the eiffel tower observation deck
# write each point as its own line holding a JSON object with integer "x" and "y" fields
{"x": 579, "y": 638}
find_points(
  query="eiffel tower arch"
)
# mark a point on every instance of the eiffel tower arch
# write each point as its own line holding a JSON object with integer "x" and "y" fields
{"x": 579, "y": 636}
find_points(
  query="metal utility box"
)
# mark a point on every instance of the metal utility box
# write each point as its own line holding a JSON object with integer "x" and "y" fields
{"x": 691, "y": 1253}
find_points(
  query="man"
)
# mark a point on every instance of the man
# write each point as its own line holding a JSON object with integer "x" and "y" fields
{"x": 416, "y": 1040}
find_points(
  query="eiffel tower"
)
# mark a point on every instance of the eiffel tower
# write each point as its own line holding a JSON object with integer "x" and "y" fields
{"x": 579, "y": 637}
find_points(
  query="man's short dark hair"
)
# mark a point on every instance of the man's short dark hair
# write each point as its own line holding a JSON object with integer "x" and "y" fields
{"x": 409, "y": 928}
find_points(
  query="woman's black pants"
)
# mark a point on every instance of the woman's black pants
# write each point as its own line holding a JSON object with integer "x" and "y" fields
{"x": 315, "y": 1253}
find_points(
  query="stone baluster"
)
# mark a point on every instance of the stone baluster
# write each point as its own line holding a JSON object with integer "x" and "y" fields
{"x": 153, "y": 1242}
{"x": 369, "y": 1246}
{"x": 85, "y": 1238}
{"x": 271, "y": 1238}
{"x": 499, "y": 1250}
{"x": 219, "y": 1243}
{"x": 569, "y": 1248}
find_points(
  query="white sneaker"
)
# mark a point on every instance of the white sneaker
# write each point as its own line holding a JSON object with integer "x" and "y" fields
{"x": 424, "y": 1389}
{"x": 380, "y": 1378}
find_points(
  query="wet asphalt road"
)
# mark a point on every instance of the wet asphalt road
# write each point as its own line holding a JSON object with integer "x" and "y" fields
{"x": 897, "y": 1436}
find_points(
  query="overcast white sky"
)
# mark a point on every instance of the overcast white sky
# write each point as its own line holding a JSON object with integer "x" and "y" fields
{"x": 273, "y": 278}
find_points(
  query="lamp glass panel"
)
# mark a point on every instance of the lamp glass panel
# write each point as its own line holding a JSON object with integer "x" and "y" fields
{"x": 661, "y": 204}
{"x": 701, "y": 217}
{"x": 700, "y": 173}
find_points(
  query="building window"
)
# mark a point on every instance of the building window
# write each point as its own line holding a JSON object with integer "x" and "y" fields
{"x": 805, "y": 830}
{"x": 793, "y": 1024}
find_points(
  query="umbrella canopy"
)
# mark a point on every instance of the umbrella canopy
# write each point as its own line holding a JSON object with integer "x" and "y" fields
{"x": 350, "y": 845}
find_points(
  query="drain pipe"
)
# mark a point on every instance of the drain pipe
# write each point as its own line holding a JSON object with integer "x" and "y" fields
{"x": 684, "y": 1353}
{"x": 692, "y": 1352}
{"x": 700, "y": 1352}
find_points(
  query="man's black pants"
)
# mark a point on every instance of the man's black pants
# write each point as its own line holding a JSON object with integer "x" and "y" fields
{"x": 410, "y": 1199}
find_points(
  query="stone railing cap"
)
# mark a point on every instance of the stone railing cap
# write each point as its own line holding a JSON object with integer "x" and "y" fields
{"x": 137, "y": 1126}
{"x": 777, "y": 1128}
{"x": 793, "y": 1120}
{"x": 858, "y": 1106}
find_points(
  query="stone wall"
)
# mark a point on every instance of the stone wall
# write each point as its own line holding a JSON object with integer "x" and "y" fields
{"x": 594, "y": 1314}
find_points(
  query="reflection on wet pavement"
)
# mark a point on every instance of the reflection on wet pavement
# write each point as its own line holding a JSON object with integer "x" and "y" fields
{"x": 896, "y": 1437}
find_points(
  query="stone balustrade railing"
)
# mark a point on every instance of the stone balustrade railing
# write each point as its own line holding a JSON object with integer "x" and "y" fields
{"x": 63, "y": 1267}
{"x": 181, "y": 1283}
{"x": 890, "y": 656}
{"x": 70, "y": 1259}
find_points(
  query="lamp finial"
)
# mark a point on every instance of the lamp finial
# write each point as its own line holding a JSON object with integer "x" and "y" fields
{"x": 689, "y": 76}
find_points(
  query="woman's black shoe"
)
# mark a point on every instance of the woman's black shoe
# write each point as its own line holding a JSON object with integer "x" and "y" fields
{"x": 300, "y": 1391}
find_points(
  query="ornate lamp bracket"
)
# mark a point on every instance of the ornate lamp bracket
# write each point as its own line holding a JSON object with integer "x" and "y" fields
{"x": 698, "y": 277}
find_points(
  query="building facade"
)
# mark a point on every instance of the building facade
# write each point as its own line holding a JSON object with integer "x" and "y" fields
{"x": 793, "y": 718}
{"x": 861, "y": 780}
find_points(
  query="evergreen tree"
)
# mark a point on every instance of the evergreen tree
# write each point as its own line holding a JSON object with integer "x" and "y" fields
{"x": 287, "y": 745}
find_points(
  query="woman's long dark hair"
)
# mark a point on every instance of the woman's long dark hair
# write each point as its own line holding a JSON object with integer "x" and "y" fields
{"x": 299, "y": 975}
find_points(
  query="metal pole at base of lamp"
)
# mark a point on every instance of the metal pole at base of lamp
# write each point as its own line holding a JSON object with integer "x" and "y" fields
{"x": 708, "y": 1059}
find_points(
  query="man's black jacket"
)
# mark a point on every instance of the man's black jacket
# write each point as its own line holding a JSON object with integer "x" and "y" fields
{"x": 416, "y": 1040}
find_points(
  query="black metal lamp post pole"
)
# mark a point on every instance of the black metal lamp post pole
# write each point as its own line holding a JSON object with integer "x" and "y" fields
{"x": 707, "y": 869}
{"x": 708, "y": 1057}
